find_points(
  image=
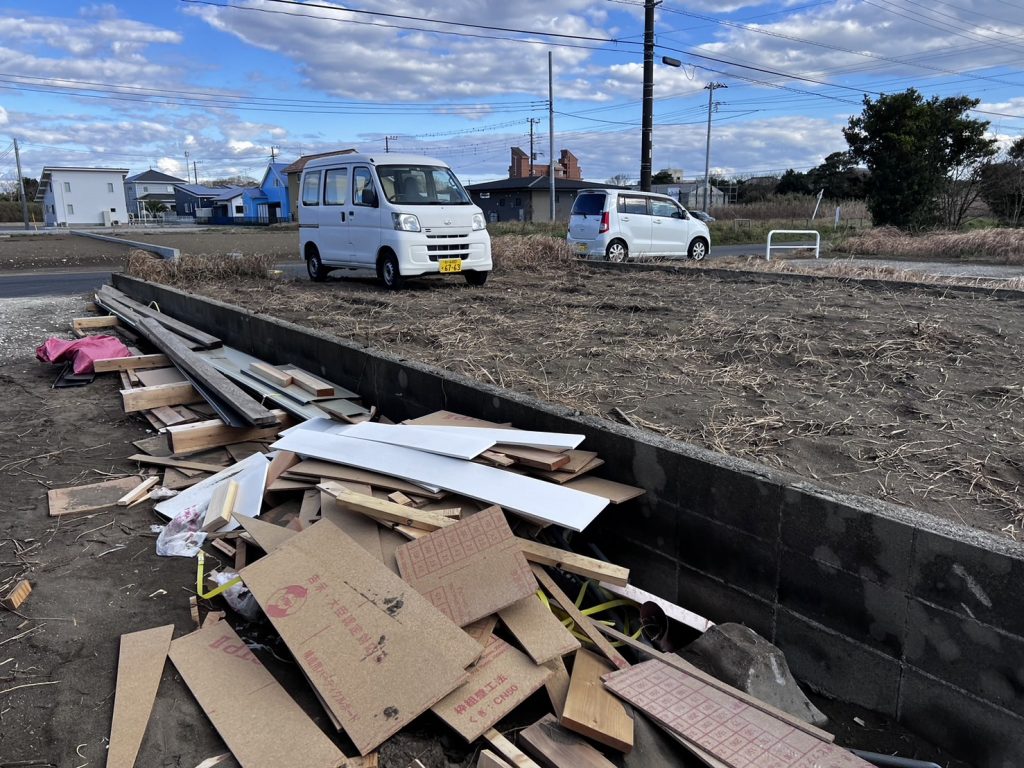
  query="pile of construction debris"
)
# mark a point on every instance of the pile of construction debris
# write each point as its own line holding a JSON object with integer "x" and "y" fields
{"x": 404, "y": 566}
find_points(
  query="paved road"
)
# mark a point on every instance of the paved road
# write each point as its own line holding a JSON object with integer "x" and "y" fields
{"x": 21, "y": 284}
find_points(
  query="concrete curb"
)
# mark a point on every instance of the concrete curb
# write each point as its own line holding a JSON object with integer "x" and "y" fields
{"x": 159, "y": 250}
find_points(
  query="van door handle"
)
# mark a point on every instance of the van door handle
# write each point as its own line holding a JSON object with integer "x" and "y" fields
{"x": 342, "y": 215}
{"x": 624, "y": 218}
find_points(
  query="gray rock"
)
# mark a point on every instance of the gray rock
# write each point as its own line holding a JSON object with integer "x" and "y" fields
{"x": 742, "y": 658}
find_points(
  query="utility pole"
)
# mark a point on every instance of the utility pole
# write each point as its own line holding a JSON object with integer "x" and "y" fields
{"x": 532, "y": 121}
{"x": 710, "y": 88}
{"x": 273, "y": 151}
{"x": 387, "y": 143}
{"x": 21, "y": 185}
{"x": 186, "y": 166}
{"x": 551, "y": 134}
{"x": 647, "y": 122}
{"x": 195, "y": 171}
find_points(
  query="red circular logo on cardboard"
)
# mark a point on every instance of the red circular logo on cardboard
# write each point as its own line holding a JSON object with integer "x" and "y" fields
{"x": 286, "y": 601}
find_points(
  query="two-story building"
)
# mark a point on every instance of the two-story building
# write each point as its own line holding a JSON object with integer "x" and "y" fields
{"x": 82, "y": 196}
{"x": 215, "y": 205}
{"x": 152, "y": 187}
{"x": 268, "y": 204}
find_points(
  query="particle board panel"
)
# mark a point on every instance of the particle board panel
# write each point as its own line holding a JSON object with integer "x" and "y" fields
{"x": 267, "y": 536}
{"x": 89, "y": 498}
{"x": 561, "y": 476}
{"x": 364, "y": 530}
{"x": 534, "y": 458}
{"x": 538, "y": 630}
{"x": 557, "y": 686}
{"x": 172, "y": 416}
{"x": 592, "y": 711}
{"x": 151, "y": 377}
{"x": 723, "y": 726}
{"x": 179, "y": 464}
{"x": 241, "y": 451}
{"x": 529, "y": 496}
{"x": 469, "y": 569}
{"x": 377, "y": 651}
{"x": 258, "y": 720}
{"x": 455, "y": 423}
{"x": 140, "y": 664}
{"x": 500, "y": 681}
{"x": 154, "y": 446}
{"x": 553, "y": 746}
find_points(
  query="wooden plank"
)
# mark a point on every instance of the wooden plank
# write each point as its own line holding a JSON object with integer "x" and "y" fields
{"x": 17, "y": 595}
{"x": 679, "y": 663}
{"x": 557, "y": 685}
{"x": 583, "y": 623}
{"x": 592, "y": 711}
{"x": 140, "y": 664}
{"x": 581, "y": 565}
{"x": 88, "y": 498}
{"x": 145, "y": 398}
{"x": 529, "y": 496}
{"x": 686, "y": 706}
{"x": 168, "y": 461}
{"x": 400, "y": 498}
{"x": 508, "y": 750}
{"x": 488, "y": 759}
{"x": 318, "y": 469}
{"x": 258, "y": 720}
{"x": 469, "y": 569}
{"x": 553, "y": 746}
{"x": 271, "y": 373}
{"x": 537, "y": 630}
{"x": 203, "y": 339}
{"x": 405, "y": 656}
{"x": 138, "y": 491}
{"x": 616, "y": 493}
{"x": 200, "y": 371}
{"x": 309, "y": 382}
{"x": 535, "y": 458}
{"x": 386, "y": 511}
{"x": 214, "y": 433}
{"x": 134, "y": 362}
{"x": 93, "y": 323}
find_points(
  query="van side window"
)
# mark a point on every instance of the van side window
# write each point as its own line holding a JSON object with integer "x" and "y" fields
{"x": 665, "y": 208}
{"x": 335, "y": 186}
{"x": 362, "y": 187}
{"x": 636, "y": 205}
{"x": 311, "y": 188}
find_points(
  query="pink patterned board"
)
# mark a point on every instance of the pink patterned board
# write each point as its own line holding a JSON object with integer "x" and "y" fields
{"x": 470, "y": 569}
{"x": 731, "y": 730}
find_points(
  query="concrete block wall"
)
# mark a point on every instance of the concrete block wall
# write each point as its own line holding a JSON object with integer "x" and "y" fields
{"x": 873, "y": 603}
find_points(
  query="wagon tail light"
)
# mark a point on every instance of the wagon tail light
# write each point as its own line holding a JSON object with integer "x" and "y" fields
{"x": 605, "y": 223}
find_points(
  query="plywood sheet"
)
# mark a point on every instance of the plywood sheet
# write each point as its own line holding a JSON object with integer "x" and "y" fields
{"x": 469, "y": 569}
{"x": 261, "y": 724}
{"x": 529, "y": 496}
{"x": 378, "y": 653}
{"x": 537, "y": 630}
{"x": 89, "y": 498}
{"x": 140, "y": 664}
{"x": 592, "y": 711}
{"x": 502, "y": 679}
{"x": 720, "y": 724}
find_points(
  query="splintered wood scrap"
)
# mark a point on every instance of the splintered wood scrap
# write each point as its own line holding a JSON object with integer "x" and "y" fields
{"x": 13, "y": 600}
{"x": 224, "y": 547}
{"x": 88, "y": 498}
{"x": 400, "y": 498}
{"x": 136, "y": 493}
{"x": 508, "y": 750}
{"x": 193, "y": 609}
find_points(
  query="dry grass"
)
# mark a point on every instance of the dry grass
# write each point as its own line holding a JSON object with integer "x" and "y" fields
{"x": 192, "y": 270}
{"x": 793, "y": 208}
{"x": 1002, "y": 244}
{"x": 519, "y": 253}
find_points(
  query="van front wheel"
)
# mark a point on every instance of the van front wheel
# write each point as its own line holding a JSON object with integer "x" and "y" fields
{"x": 474, "y": 277}
{"x": 388, "y": 272}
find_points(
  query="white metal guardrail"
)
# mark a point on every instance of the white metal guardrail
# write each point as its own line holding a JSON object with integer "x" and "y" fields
{"x": 817, "y": 241}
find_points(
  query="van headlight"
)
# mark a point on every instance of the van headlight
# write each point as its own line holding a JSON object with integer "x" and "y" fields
{"x": 479, "y": 222}
{"x": 405, "y": 222}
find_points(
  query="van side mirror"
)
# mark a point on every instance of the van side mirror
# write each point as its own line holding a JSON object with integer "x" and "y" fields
{"x": 369, "y": 197}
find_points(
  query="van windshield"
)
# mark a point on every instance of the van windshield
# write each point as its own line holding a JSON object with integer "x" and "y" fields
{"x": 421, "y": 185}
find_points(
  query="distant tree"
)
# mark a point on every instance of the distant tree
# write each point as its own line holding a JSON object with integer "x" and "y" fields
{"x": 793, "y": 183}
{"x": 31, "y": 187}
{"x": 1002, "y": 184}
{"x": 621, "y": 180}
{"x": 662, "y": 177}
{"x": 9, "y": 189}
{"x": 233, "y": 181}
{"x": 839, "y": 176}
{"x": 924, "y": 157}
{"x": 153, "y": 207}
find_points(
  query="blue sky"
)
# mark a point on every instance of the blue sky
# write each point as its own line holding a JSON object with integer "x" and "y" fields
{"x": 139, "y": 84}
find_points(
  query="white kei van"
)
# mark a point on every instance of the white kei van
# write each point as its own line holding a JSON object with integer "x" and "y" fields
{"x": 619, "y": 224}
{"x": 399, "y": 215}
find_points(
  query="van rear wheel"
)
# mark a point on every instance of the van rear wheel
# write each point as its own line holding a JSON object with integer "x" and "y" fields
{"x": 474, "y": 277}
{"x": 617, "y": 251}
{"x": 316, "y": 269}
{"x": 698, "y": 249}
{"x": 388, "y": 272}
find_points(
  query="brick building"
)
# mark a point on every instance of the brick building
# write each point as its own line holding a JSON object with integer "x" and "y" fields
{"x": 567, "y": 167}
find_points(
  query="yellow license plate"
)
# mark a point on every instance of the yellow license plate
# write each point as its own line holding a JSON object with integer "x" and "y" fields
{"x": 450, "y": 265}
{"x": 581, "y": 247}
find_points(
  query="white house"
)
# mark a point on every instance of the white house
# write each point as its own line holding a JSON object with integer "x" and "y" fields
{"x": 82, "y": 196}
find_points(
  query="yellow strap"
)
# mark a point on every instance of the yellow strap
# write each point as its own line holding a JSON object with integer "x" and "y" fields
{"x": 199, "y": 580}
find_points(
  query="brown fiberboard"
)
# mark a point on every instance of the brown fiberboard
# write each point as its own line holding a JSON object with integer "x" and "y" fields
{"x": 89, "y": 498}
{"x": 592, "y": 711}
{"x": 469, "y": 569}
{"x": 377, "y": 652}
{"x": 553, "y": 746}
{"x": 616, "y": 493}
{"x": 557, "y": 685}
{"x": 140, "y": 664}
{"x": 266, "y": 535}
{"x": 537, "y": 630}
{"x": 502, "y": 679}
{"x": 258, "y": 720}
{"x": 364, "y": 530}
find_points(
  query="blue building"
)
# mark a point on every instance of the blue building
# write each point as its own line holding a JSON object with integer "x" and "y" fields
{"x": 268, "y": 203}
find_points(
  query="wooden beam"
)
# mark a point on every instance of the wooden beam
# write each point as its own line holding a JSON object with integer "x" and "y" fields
{"x": 271, "y": 373}
{"x": 591, "y": 710}
{"x": 200, "y": 371}
{"x": 508, "y": 750}
{"x": 203, "y": 339}
{"x": 136, "y": 493}
{"x": 191, "y": 438}
{"x": 113, "y": 364}
{"x": 90, "y": 323}
{"x": 147, "y": 398}
{"x": 166, "y": 461}
{"x": 310, "y": 383}
{"x": 386, "y": 511}
{"x": 570, "y": 561}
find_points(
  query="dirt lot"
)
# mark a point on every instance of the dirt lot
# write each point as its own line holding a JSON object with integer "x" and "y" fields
{"x": 914, "y": 397}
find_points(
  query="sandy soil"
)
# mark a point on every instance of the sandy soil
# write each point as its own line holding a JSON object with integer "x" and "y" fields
{"x": 914, "y": 397}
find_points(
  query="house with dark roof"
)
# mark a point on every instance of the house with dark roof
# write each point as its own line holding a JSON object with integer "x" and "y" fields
{"x": 529, "y": 198}
{"x": 293, "y": 173}
{"x": 213, "y": 205}
{"x": 151, "y": 187}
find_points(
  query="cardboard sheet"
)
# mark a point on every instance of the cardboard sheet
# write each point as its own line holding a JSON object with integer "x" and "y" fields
{"x": 261, "y": 724}
{"x": 529, "y": 496}
{"x": 140, "y": 663}
{"x": 378, "y": 653}
{"x": 251, "y": 476}
{"x": 720, "y": 724}
{"x": 470, "y": 569}
{"x": 502, "y": 680}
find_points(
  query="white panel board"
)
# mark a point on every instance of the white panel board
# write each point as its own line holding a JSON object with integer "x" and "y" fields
{"x": 251, "y": 476}
{"x": 528, "y": 496}
{"x": 545, "y": 441}
{"x": 457, "y": 445}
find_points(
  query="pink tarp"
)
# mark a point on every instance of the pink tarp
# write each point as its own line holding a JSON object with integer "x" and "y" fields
{"x": 81, "y": 352}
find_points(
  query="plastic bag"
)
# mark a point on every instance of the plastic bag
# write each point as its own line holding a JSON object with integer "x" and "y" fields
{"x": 238, "y": 596}
{"x": 181, "y": 537}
